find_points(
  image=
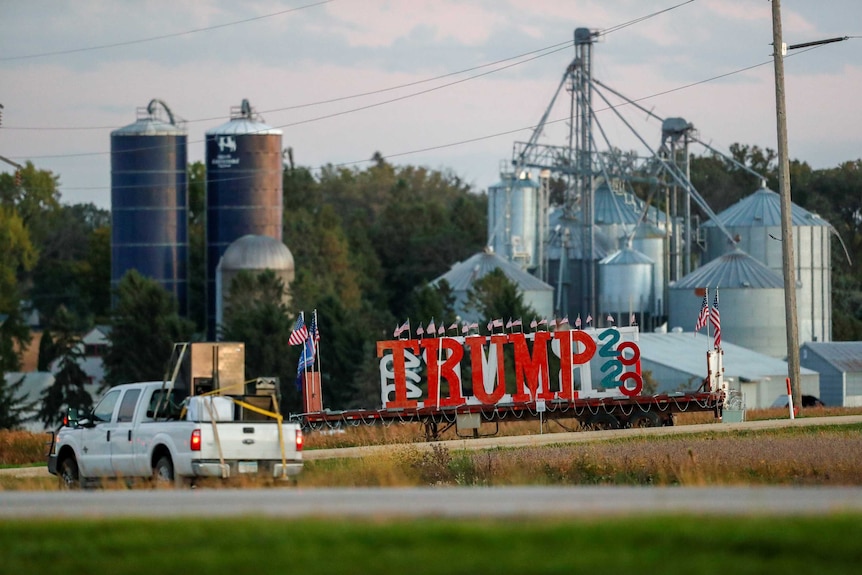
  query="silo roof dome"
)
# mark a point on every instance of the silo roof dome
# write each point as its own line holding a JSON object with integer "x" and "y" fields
{"x": 732, "y": 270}
{"x": 252, "y": 252}
{"x": 763, "y": 208}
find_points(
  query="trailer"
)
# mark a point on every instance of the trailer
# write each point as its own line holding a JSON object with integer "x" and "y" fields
{"x": 590, "y": 378}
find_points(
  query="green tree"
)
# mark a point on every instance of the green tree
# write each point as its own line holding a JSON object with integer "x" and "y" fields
{"x": 433, "y": 301}
{"x": 197, "y": 245}
{"x": 13, "y": 404}
{"x": 495, "y": 296}
{"x": 145, "y": 325}
{"x": 69, "y": 387}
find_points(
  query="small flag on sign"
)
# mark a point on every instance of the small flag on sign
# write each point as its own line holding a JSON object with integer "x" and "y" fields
{"x": 402, "y": 328}
{"x": 578, "y": 321}
{"x": 610, "y": 318}
{"x": 589, "y": 319}
{"x": 431, "y": 329}
{"x": 632, "y": 320}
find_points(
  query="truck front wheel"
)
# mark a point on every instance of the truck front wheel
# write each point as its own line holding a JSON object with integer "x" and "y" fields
{"x": 163, "y": 471}
{"x": 69, "y": 476}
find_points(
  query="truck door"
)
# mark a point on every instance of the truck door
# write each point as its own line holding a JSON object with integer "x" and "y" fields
{"x": 122, "y": 436}
{"x": 96, "y": 440}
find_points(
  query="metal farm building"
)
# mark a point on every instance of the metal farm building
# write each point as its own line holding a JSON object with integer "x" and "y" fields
{"x": 755, "y": 222}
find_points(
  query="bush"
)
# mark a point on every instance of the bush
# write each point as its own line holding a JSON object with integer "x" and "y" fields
{"x": 22, "y": 447}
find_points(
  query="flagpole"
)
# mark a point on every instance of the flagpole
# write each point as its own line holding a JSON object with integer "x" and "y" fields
{"x": 316, "y": 346}
{"x": 439, "y": 359}
{"x": 708, "y": 311}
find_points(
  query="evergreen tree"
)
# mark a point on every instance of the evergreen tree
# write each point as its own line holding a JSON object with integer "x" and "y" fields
{"x": 69, "y": 387}
{"x": 145, "y": 326}
{"x": 13, "y": 404}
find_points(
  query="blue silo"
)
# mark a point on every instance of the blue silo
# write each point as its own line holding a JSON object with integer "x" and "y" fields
{"x": 244, "y": 189}
{"x": 149, "y": 201}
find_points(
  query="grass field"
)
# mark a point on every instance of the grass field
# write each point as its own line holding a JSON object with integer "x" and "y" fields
{"x": 668, "y": 545}
{"x": 688, "y": 544}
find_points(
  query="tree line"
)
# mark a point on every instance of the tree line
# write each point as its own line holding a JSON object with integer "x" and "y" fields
{"x": 366, "y": 242}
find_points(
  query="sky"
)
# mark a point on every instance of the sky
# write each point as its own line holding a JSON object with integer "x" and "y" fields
{"x": 446, "y": 84}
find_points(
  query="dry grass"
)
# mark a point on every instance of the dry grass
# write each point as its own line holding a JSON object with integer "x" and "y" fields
{"x": 22, "y": 447}
{"x": 797, "y": 456}
{"x": 791, "y": 456}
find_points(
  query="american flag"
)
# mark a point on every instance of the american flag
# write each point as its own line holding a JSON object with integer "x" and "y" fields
{"x": 401, "y": 329}
{"x": 313, "y": 330}
{"x": 431, "y": 329}
{"x": 589, "y": 319}
{"x": 578, "y": 321}
{"x": 715, "y": 318}
{"x": 610, "y": 318}
{"x": 703, "y": 316}
{"x": 632, "y": 320}
{"x": 300, "y": 332}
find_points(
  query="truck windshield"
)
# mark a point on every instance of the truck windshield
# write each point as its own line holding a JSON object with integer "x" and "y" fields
{"x": 105, "y": 410}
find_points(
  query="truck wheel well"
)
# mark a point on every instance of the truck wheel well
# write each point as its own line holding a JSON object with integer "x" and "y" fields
{"x": 158, "y": 452}
{"x": 65, "y": 453}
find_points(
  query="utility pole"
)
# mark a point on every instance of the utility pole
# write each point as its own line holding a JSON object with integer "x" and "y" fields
{"x": 787, "y": 258}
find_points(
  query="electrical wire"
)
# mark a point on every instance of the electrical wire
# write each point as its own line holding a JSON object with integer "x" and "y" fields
{"x": 555, "y": 47}
{"x": 612, "y": 29}
{"x": 331, "y": 100}
{"x": 460, "y": 142}
{"x": 162, "y": 36}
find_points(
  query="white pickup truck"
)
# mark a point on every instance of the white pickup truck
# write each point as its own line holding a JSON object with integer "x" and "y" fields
{"x": 142, "y": 430}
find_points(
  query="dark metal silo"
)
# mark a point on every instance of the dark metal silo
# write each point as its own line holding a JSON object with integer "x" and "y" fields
{"x": 149, "y": 201}
{"x": 244, "y": 189}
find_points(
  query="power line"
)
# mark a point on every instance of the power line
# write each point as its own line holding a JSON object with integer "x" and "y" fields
{"x": 612, "y": 29}
{"x": 478, "y": 138}
{"x": 552, "y": 49}
{"x": 162, "y": 36}
{"x": 555, "y": 47}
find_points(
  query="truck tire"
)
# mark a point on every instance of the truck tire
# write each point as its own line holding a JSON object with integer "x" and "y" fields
{"x": 644, "y": 419}
{"x": 163, "y": 471}
{"x": 601, "y": 421}
{"x": 68, "y": 473}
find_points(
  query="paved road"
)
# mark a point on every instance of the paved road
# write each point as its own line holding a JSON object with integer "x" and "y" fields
{"x": 571, "y": 502}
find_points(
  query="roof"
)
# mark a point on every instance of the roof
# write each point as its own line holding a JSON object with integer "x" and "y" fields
{"x": 516, "y": 183}
{"x": 149, "y": 127}
{"x": 686, "y": 352}
{"x": 845, "y": 356}
{"x": 464, "y": 274}
{"x": 627, "y": 256}
{"x": 610, "y": 207}
{"x": 558, "y": 221}
{"x": 763, "y": 208}
{"x": 253, "y": 252}
{"x": 736, "y": 269}
{"x": 243, "y": 126}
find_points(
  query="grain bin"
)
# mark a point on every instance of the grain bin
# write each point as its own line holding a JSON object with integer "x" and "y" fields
{"x": 149, "y": 201}
{"x": 244, "y": 188}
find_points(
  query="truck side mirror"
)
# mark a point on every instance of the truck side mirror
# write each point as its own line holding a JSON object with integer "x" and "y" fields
{"x": 71, "y": 418}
